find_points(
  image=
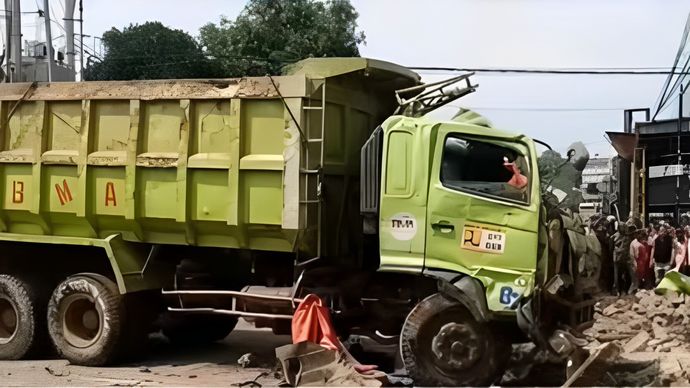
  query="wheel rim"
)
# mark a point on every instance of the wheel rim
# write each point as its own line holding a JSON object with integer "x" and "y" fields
{"x": 456, "y": 347}
{"x": 82, "y": 320}
{"x": 9, "y": 319}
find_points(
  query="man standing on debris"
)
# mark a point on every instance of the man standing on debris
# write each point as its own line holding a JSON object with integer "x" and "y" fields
{"x": 640, "y": 255}
{"x": 624, "y": 263}
{"x": 662, "y": 252}
{"x": 680, "y": 250}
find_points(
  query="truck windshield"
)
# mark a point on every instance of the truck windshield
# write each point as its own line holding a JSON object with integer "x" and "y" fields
{"x": 485, "y": 169}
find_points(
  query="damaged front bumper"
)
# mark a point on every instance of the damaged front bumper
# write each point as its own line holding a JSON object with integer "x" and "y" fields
{"x": 540, "y": 318}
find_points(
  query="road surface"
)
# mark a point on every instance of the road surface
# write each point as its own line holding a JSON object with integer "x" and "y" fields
{"x": 165, "y": 365}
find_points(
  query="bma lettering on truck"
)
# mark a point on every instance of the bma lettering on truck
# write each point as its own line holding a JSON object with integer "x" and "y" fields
{"x": 109, "y": 198}
{"x": 18, "y": 192}
{"x": 63, "y": 192}
{"x": 481, "y": 239}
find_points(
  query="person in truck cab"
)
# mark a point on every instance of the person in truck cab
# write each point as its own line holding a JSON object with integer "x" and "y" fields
{"x": 477, "y": 166}
{"x": 518, "y": 180}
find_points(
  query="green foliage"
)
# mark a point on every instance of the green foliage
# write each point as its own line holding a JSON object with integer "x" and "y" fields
{"x": 151, "y": 51}
{"x": 269, "y": 33}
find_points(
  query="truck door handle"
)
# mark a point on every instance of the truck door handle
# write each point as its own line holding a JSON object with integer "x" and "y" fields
{"x": 443, "y": 226}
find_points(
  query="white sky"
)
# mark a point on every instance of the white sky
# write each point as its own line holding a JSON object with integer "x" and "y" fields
{"x": 487, "y": 33}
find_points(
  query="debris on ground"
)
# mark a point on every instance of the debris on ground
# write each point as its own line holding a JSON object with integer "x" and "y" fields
{"x": 56, "y": 374}
{"x": 316, "y": 356}
{"x": 246, "y": 360}
{"x": 532, "y": 366}
{"x": 645, "y": 322}
{"x": 641, "y": 339}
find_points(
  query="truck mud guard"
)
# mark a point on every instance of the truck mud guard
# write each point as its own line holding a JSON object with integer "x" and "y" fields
{"x": 466, "y": 290}
{"x": 134, "y": 269}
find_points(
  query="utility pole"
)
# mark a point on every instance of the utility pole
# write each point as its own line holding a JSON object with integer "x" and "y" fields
{"x": 16, "y": 42}
{"x": 69, "y": 35}
{"x": 680, "y": 155}
{"x": 49, "y": 39}
{"x": 8, "y": 41}
{"x": 81, "y": 41}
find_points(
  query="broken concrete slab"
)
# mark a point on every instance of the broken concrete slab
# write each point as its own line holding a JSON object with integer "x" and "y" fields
{"x": 637, "y": 343}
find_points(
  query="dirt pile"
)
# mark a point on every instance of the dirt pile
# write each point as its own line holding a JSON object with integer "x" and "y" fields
{"x": 650, "y": 334}
{"x": 646, "y": 322}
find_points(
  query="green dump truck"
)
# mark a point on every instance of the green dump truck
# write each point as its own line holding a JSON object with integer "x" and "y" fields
{"x": 181, "y": 205}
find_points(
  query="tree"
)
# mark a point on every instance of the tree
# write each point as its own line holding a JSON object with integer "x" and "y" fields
{"x": 151, "y": 51}
{"x": 269, "y": 33}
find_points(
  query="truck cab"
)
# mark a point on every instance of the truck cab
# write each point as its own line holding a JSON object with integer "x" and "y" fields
{"x": 461, "y": 202}
{"x": 447, "y": 205}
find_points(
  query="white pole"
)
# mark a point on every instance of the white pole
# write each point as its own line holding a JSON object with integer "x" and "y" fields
{"x": 81, "y": 41}
{"x": 16, "y": 39}
{"x": 8, "y": 38}
{"x": 69, "y": 33}
{"x": 49, "y": 39}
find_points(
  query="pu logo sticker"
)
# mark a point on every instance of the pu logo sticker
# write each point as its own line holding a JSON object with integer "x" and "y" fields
{"x": 479, "y": 239}
{"x": 507, "y": 296}
{"x": 403, "y": 226}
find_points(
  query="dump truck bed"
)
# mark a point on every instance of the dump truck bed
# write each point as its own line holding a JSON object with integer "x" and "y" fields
{"x": 225, "y": 163}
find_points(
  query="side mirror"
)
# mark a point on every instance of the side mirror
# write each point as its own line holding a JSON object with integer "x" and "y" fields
{"x": 578, "y": 155}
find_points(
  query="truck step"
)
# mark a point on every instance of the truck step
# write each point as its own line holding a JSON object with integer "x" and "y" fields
{"x": 266, "y": 303}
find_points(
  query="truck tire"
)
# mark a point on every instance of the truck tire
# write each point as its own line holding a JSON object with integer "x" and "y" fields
{"x": 190, "y": 329}
{"x": 22, "y": 320}
{"x": 86, "y": 316}
{"x": 443, "y": 345}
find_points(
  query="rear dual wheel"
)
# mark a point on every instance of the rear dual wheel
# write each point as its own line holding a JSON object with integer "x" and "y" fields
{"x": 22, "y": 319}
{"x": 86, "y": 321}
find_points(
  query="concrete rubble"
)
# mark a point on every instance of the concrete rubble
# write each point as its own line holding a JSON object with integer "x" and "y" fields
{"x": 646, "y": 337}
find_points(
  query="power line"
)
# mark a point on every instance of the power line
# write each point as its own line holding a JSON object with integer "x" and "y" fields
{"x": 665, "y": 93}
{"x": 667, "y": 105}
{"x": 551, "y": 71}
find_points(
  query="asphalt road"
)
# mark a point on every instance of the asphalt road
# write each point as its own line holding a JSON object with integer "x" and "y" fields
{"x": 165, "y": 365}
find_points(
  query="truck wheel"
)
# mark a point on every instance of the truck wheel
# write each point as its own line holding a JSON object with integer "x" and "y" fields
{"x": 22, "y": 324}
{"x": 191, "y": 329}
{"x": 86, "y": 315}
{"x": 443, "y": 345}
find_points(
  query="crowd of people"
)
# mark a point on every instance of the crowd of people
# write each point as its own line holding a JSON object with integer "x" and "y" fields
{"x": 642, "y": 256}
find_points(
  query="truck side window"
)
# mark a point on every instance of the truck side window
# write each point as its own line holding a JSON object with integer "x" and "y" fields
{"x": 484, "y": 169}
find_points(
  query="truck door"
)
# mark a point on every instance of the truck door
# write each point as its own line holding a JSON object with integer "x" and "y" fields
{"x": 482, "y": 216}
